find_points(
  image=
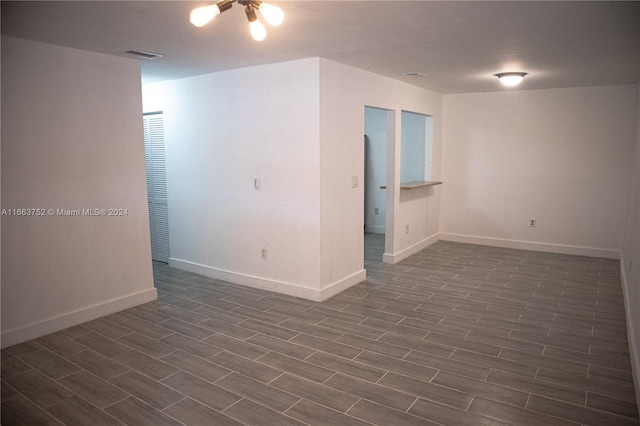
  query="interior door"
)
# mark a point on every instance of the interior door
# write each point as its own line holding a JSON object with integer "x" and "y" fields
{"x": 154, "y": 155}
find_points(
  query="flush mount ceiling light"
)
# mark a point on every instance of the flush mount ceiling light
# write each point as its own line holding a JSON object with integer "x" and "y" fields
{"x": 272, "y": 14}
{"x": 510, "y": 78}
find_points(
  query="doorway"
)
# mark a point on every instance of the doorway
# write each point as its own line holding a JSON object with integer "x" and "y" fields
{"x": 154, "y": 157}
{"x": 376, "y": 141}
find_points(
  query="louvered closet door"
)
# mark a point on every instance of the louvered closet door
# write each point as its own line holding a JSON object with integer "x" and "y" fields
{"x": 156, "y": 185}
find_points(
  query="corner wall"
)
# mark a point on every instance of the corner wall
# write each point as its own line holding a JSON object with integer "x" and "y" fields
{"x": 222, "y": 131}
{"x": 630, "y": 263}
{"x": 558, "y": 155}
{"x": 298, "y": 126}
{"x": 71, "y": 140}
{"x": 344, "y": 92}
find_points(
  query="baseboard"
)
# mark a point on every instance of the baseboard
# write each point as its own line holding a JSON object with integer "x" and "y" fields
{"x": 633, "y": 344}
{"x": 248, "y": 280}
{"x": 374, "y": 229}
{"x": 533, "y": 246}
{"x": 394, "y": 258}
{"x": 341, "y": 285}
{"x": 60, "y": 322}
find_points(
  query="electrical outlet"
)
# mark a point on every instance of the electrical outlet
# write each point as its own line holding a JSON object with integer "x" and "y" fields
{"x": 265, "y": 254}
{"x": 354, "y": 181}
{"x": 406, "y": 229}
{"x": 532, "y": 222}
{"x": 376, "y": 211}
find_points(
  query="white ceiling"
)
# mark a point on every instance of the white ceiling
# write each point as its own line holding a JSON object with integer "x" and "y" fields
{"x": 458, "y": 44}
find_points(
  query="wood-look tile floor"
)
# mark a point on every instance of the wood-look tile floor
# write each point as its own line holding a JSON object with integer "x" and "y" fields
{"x": 455, "y": 335}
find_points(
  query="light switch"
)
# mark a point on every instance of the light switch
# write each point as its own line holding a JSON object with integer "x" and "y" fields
{"x": 256, "y": 184}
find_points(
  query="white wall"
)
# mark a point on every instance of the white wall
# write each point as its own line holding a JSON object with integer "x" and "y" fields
{"x": 298, "y": 126}
{"x": 344, "y": 91}
{"x": 375, "y": 127}
{"x": 558, "y": 155}
{"x": 631, "y": 255}
{"x": 222, "y": 131}
{"x": 72, "y": 139}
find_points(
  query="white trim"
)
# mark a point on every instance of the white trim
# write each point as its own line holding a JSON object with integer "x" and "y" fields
{"x": 394, "y": 258}
{"x": 343, "y": 284}
{"x": 534, "y": 246}
{"x": 247, "y": 280}
{"x": 69, "y": 319}
{"x": 269, "y": 284}
{"x": 633, "y": 344}
{"x": 375, "y": 229}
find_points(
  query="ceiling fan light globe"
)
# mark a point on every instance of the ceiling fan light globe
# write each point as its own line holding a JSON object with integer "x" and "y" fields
{"x": 272, "y": 14}
{"x": 258, "y": 31}
{"x": 203, "y": 15}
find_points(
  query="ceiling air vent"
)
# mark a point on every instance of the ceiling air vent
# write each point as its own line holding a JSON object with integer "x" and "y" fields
{"x": 414, "y": 74}
{"x": 143, "y": 54}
